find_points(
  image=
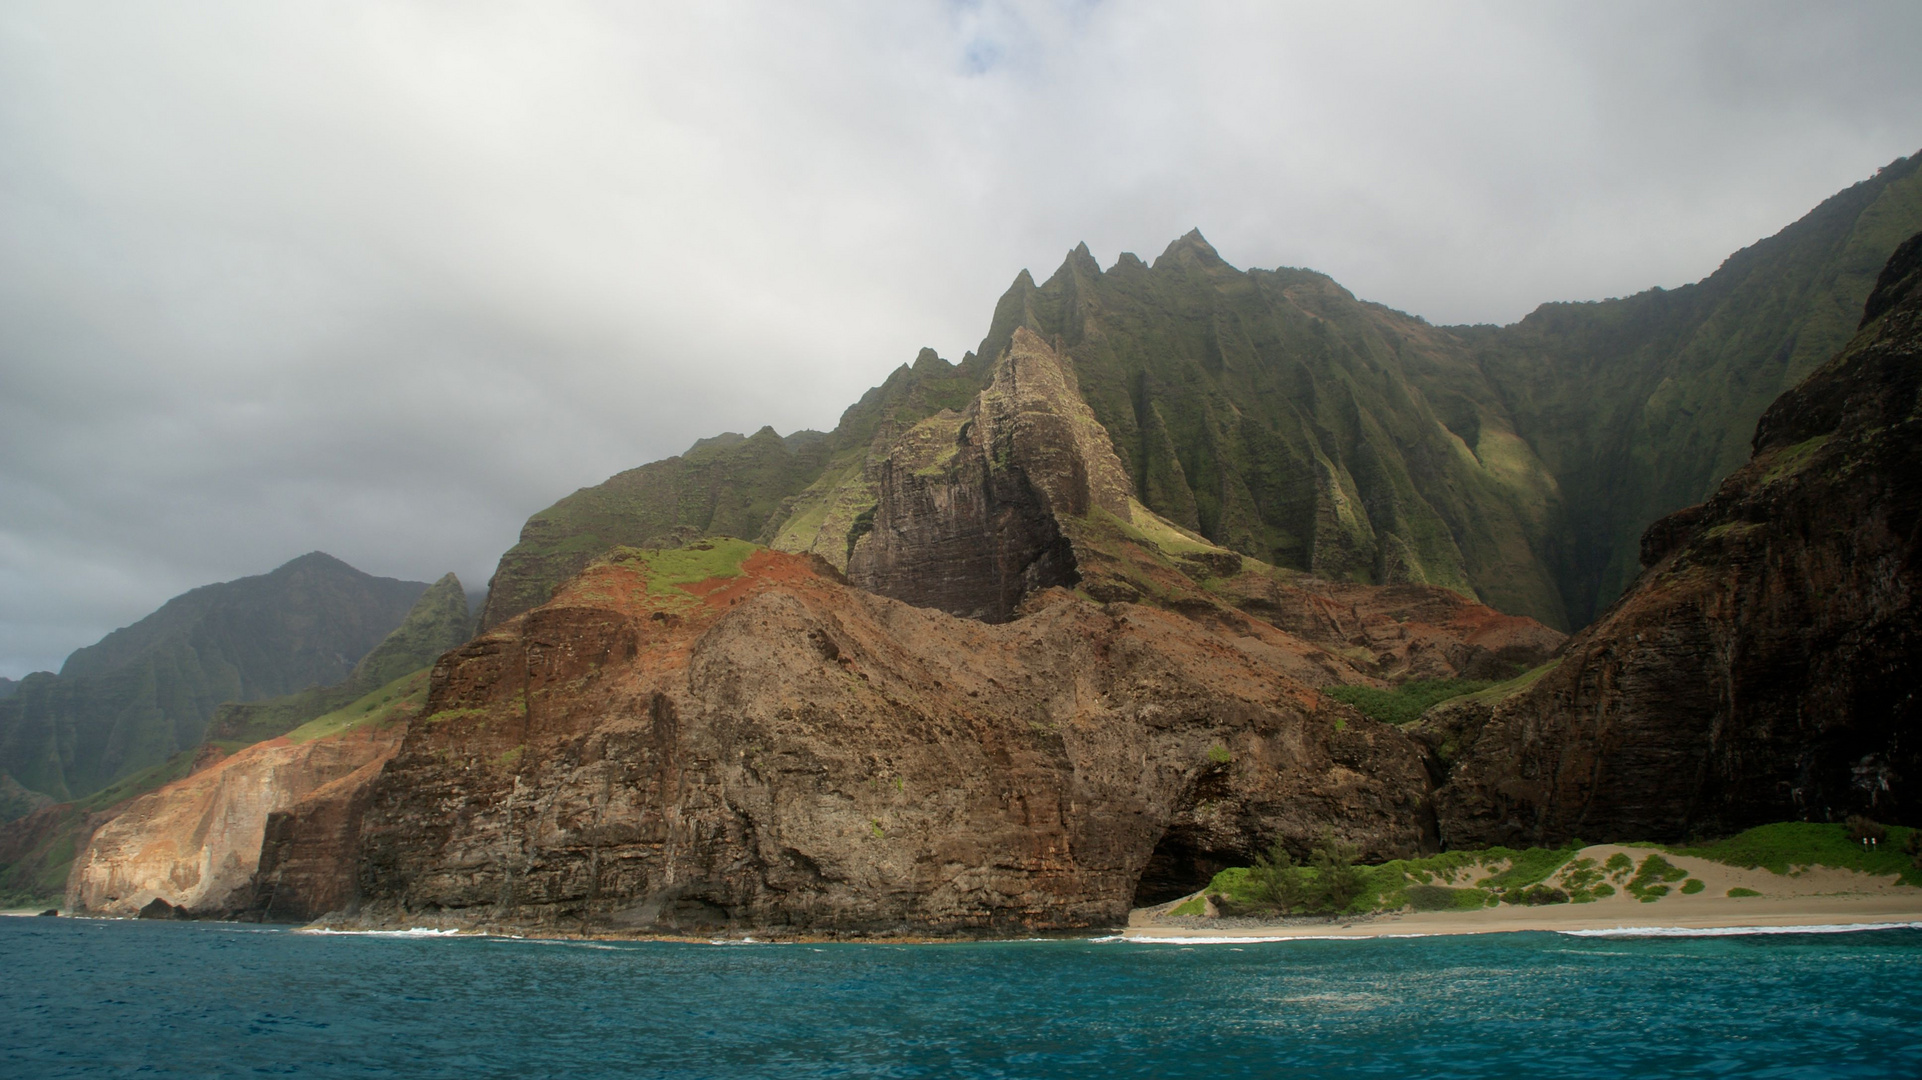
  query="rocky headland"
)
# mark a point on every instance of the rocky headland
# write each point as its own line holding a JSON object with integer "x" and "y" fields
{"x": 1058, "y": 631}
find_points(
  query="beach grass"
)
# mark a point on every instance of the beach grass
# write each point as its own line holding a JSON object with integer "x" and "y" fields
{"x": 1784, "y": 846}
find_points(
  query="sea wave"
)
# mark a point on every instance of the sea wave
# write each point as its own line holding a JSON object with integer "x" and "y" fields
{"x": 410, "y": 932}
{"x": 1730, "y": 931}
{"x": 1217, "y": 939}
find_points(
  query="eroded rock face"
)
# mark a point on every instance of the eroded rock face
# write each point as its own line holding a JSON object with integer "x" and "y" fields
{"x": 1406, "y": 631}
{"x": 777, "y": 751}
{"x": 310, "y": 851}
{"x": 1765, "y": 665}
{"x": 195, "y": 844}
{"x": 969, "y": 506}
{"x": 970, "y": 512}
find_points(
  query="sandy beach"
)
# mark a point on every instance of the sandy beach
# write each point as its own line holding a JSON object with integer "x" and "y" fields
{"x": 1809, "y": 898}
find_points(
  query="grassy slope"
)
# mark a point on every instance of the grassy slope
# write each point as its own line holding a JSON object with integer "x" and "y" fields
{"x": 1782, "y": 847}
{"x": 399, "y": 700}
{"x": 437, "y": 622}
{"x": 1404, "y": 704}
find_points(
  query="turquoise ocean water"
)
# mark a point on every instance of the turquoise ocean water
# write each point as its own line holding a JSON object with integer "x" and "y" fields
{"x": 97, "y": 998}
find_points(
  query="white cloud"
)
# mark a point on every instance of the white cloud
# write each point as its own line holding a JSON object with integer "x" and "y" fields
{"x": 384, "y": 278}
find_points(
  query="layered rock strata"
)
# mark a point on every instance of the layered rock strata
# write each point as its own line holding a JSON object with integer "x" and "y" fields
{"x": 767, "y": 748}
{"x": 1765, "y": 665}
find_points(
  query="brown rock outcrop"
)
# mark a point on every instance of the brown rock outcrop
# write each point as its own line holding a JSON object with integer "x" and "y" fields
{"x": 310, "y": 852}
{"x": 195, "y": 844}
{"x": 768, "y": 749}
{"x": 970, "y": 506}
{"x": 1765, "y": 666}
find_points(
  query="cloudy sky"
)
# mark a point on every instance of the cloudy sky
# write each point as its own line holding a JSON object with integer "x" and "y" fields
{"x": 383, "y": 279}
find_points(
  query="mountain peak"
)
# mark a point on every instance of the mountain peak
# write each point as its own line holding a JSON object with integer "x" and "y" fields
{"x": 1192, "y": 247}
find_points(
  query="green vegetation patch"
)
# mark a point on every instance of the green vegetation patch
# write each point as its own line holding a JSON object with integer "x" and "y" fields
{"x": 1693, "y": 886}
{"x": 1781, "y": 847}
{"x": 1739, "y": 892}
{"x": 668, "y": 569}
{"x": 400, "y": 699}
{"x": 1532, "y": 865}
{"x": 1272, "y": 885}
{"x": 1790, "y": 460}
{"x": 1526, "y": 679}
{"x": 1404, "y": 704}
{"x": 1652, "y": 879}
{"x": 1191, "y": 906}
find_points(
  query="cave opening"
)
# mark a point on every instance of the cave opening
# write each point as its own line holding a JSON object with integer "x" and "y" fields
{"x": 1177, "y": 867}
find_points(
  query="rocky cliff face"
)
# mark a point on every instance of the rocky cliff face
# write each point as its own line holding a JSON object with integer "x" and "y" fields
{"x": 727, "y": 737}
{"x": 970, "y": 508}
{"x": 1765, "y": 665}
{"x": 196, "y": 843}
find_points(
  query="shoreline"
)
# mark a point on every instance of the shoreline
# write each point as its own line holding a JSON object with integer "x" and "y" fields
{"x": 1755, "y": 915}
{"x": 1808, "y": 896}
{"x": 1838, "y": 915}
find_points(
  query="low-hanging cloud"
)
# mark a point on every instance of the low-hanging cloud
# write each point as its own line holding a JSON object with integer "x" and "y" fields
{"x": 381, "y": 278}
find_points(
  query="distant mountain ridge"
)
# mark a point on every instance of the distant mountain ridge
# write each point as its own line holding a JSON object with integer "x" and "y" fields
{"x": 146, "y": 692}
{"x": 1276, "y": 415}
{"x": 39, "y": 838}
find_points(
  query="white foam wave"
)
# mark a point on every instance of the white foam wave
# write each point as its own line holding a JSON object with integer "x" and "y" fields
{"x": 410, "y": 932}
{"x": 1254, "y": 939}
{"x": 1729, "y": 931}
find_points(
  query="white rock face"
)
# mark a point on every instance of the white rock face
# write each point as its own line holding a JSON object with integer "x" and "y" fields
{"x": 197, "y": 840}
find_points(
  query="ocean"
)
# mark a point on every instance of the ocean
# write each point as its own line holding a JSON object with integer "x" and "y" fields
{"x": 113, "y": 998}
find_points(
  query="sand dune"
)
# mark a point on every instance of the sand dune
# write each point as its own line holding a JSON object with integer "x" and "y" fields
{"x": 1813, "y": 897}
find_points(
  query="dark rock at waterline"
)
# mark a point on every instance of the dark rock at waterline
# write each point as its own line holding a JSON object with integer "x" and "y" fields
{"x": 160, "y": 909}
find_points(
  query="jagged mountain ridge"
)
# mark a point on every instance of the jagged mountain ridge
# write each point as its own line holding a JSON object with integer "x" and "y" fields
{"x": 146, "y": 692}
{"x": 1276, "y": 415}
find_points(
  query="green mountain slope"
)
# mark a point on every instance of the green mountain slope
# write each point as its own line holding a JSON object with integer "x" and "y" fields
{"x": 438, "y": 621}
{"x": 728, "y": 485}
{"x": 146, "y": 692}
{"x": 1640, "y": 406}
{"x": 1277, "y": 415}
{"x": 39, "y": 839}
